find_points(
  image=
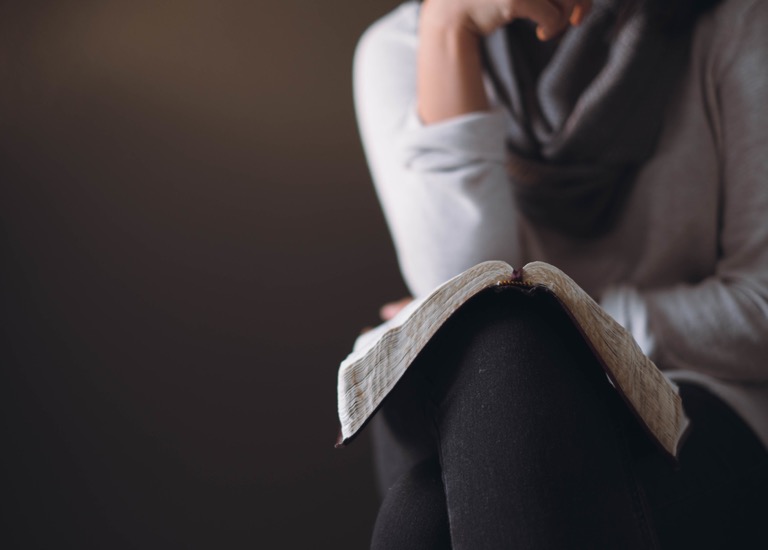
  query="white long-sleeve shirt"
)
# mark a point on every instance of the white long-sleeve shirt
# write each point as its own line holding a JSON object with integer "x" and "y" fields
{"x": 685, "y": 269}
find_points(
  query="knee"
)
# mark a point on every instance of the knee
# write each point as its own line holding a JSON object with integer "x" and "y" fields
{"x": 414, "y": 512}
{"x": 509, "y": 347}
{"x": 504, "y": 333}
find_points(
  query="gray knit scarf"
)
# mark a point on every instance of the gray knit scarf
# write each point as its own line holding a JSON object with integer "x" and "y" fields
{"x": 587, "y": 111}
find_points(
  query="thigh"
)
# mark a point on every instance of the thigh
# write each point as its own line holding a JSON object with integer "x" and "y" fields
{"x": 501, "y": 332}
{"x": 717, "y": 497}
{"x": 413, "y": 515}
{"x": 402, "y": 433}
{"x": 530, "y": 432}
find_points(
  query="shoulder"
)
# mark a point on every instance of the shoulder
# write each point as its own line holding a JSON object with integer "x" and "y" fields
{"x": 393, "y": 37}
{"x": 384, "y": 69}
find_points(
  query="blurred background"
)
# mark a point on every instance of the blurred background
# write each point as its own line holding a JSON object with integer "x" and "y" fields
{"x": 190, "y": 243}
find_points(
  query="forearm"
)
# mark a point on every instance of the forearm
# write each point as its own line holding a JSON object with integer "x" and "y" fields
{"x": 443, "y": 186}
{"x": 450, "y": 75}
{"x": 435, "y": 145}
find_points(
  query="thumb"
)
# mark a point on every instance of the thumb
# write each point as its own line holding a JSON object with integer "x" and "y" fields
{"x": 550, "y": 18}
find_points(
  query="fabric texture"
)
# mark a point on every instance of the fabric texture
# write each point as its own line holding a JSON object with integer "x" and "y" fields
{"x": 684, "y": 267}
{"x": 505, "y": 433}
{"x": 587, "y": 112}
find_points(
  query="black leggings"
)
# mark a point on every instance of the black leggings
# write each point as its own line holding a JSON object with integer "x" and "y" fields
{"x": 506, "y": 433}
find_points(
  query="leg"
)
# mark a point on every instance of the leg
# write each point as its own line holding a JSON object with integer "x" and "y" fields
{"x": 413, "y": 515}
{"x": 402, "y": 433}
{"x": 532, "y": 438}
{"x": 529, "y": 434}
{"x": 716, "y": 498}
{"x": 537, "y": 451}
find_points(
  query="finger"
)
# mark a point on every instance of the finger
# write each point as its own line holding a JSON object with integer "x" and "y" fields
{"x": 580, "y": 11}
{"x": 391, "y": 309}
{"x": 576, "y": 15}
{"x": 567, "y": 7}
{"x": 549, "y": 16}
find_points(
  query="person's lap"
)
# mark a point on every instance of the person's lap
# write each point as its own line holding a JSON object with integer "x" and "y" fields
{"x": 507, "y": 426}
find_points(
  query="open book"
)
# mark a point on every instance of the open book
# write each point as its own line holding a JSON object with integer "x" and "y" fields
{"x": 381, "y": 356}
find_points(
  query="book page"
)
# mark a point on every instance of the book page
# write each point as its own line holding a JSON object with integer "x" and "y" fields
{"x": 368, "y": 339}
{"x": 381, "y": 356}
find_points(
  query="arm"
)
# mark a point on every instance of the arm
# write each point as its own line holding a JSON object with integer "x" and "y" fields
{"x": 442, "y": 182}
{"x": 719, "y": 327}
{"x": 450, "y": 75}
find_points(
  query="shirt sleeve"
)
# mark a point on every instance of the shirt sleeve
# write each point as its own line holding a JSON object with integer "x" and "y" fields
{"x": 443, "y": 187}
{"x": 719, "y": 327}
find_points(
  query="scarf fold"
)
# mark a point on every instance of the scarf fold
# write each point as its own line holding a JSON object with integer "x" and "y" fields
{"x": 586, "y": 112}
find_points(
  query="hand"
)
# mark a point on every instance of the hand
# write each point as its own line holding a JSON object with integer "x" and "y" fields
{"x": 391, "y": 309}
{"x": 482, "y": 17}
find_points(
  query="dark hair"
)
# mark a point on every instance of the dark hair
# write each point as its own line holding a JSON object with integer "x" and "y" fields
{"x": 676, "y": 13}
{"x": 670, "y": 15}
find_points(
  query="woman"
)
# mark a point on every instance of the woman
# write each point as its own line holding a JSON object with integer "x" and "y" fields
{"x": 624, "y": 142}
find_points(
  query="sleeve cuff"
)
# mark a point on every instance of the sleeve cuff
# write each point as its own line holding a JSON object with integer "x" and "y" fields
{"x": 452, "y": 144}
{"x": 627, "y": 307}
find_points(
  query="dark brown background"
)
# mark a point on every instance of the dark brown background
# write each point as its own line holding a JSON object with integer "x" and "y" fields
{"x": 190, "y": 242}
